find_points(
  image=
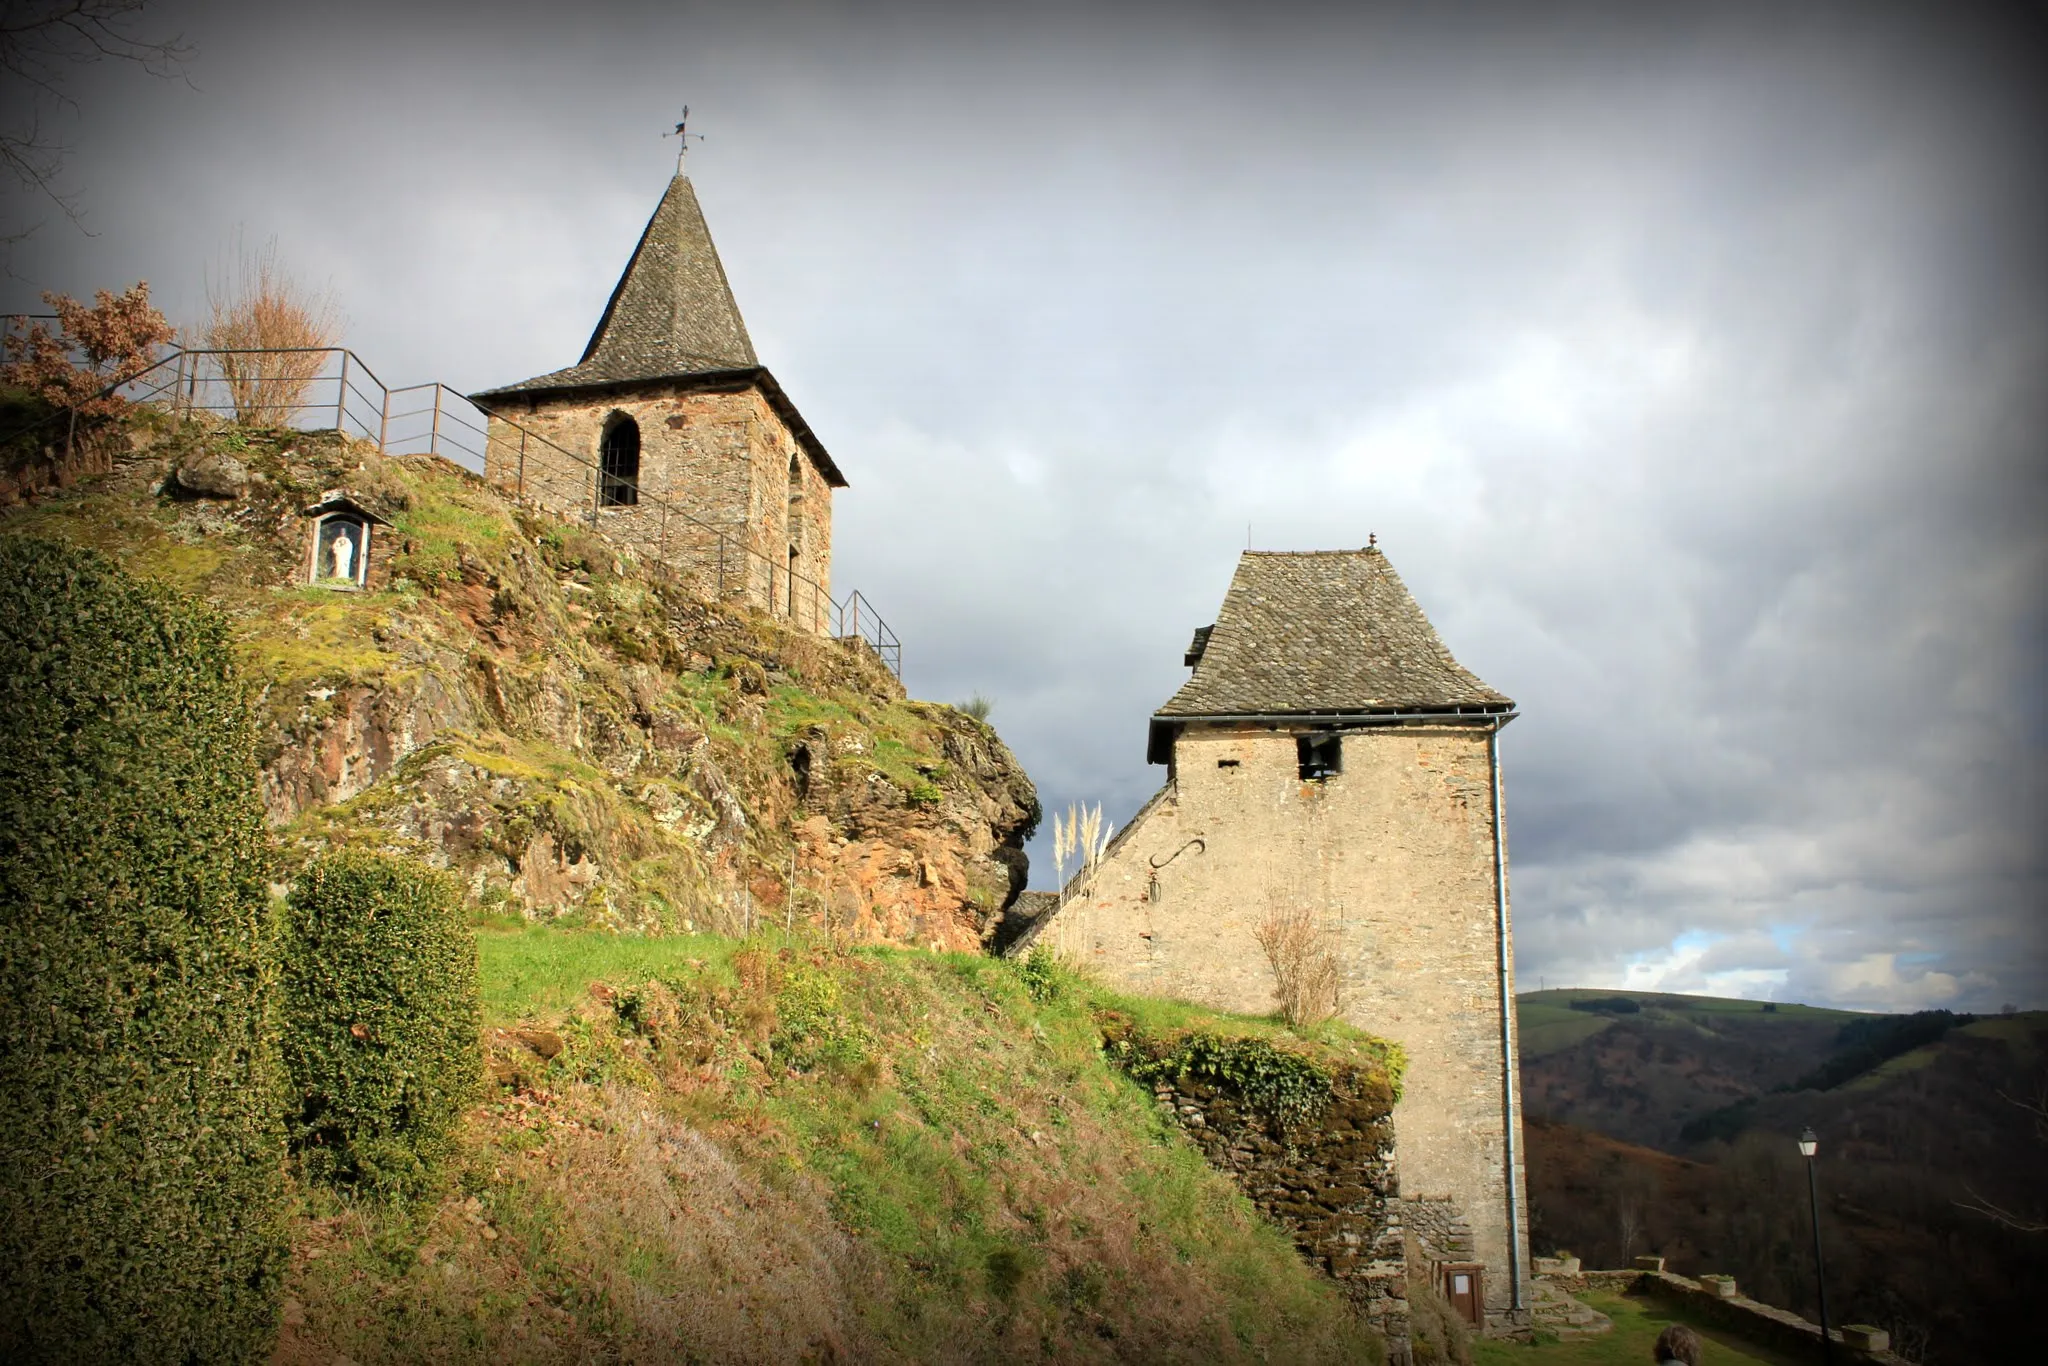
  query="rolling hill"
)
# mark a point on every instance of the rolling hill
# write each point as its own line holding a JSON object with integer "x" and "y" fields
{"x": 1671, "y": 1127}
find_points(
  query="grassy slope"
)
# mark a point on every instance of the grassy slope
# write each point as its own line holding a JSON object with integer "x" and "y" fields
{"x": 768, "y": 1151}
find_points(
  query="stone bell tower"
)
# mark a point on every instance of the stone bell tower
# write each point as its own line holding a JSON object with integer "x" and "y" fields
{"x": 670, "y": 436}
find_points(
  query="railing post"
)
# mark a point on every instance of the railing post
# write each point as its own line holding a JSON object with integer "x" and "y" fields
{"x": 341, "y": 397}
{"x": 522, "y": 459}
{"x": 384, "y": 423}
{"x": 434, "y": 432}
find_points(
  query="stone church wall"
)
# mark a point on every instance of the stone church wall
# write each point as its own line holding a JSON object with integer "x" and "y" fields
{"x": 720, "y": 457}
{"x": 1395, "y": 854}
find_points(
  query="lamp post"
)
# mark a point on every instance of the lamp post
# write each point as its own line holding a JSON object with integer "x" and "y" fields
{"x": 1809, "y": 1144}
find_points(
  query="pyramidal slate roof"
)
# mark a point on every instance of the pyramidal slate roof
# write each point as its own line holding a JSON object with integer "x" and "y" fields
{"x": 1328, "y": 631}
{"x": 672, "y": 317}
{"x": 672, "y": 313}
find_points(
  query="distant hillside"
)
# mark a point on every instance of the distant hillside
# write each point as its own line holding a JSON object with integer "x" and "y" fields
{"x": 1908, "y": 1142}
{"x": 1642, "y": 1077}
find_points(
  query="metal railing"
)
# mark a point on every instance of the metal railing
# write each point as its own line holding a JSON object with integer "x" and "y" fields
{"x": 330, "y": 388}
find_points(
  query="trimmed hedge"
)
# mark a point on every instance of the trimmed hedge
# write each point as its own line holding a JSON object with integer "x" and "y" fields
{"x": 141, "y": 1158}
{"x": 381, "y": 1020}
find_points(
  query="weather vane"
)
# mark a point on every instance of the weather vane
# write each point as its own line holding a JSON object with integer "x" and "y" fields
{"x": 683, "y": 138}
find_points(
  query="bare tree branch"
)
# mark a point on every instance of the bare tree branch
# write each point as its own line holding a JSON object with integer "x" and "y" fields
{"x": 42, "y": 43}
{"x": 1977, "y": 1204}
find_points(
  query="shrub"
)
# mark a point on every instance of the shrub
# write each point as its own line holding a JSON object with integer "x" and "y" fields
{"x": 262, "y": 308}
{"x": 116, "y": 340}
{"x": 813, "y": 1027}
{"x": 1436, "y": 1335}
{"x": 1305, "y": 971}
{"x": 141, "y": 1180}
{"x": 381, "y": 1021}
{"x": 1285, "y": 1087}
{"x": 1041, "y": 974}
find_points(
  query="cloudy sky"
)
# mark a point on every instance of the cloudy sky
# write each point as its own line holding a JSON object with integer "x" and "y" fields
{"x": 1688, "y": 361}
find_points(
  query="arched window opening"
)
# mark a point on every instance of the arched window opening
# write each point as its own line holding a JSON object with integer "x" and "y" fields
{"x": 789, "y": 527}
{"x": 618, "y": 484}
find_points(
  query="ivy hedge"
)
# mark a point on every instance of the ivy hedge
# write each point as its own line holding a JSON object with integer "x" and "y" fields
{"x": 1285, "y": 1087}
{"x": 381, "y": 1021}
{"x": 141, "y": 1156}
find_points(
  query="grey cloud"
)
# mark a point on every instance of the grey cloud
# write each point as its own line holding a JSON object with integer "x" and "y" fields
{"x": 1688, "y": 362}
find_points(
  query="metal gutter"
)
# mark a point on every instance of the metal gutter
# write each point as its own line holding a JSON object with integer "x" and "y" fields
{"x": 1477, "y": 711}
{"x": 1506, "y": 965}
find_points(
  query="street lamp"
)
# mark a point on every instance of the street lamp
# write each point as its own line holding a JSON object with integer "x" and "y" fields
{"x": 1809, "y": 1144}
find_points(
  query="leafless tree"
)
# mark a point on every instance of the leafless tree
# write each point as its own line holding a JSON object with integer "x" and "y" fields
{"x": 2036, "y": 1109}
{"x": 42, "y": 42}
{"x": 1305, "y": 972}
{"x": 258, "y": 306}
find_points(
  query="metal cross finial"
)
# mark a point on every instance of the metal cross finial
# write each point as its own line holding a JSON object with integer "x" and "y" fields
{"x": 683, "y": 138}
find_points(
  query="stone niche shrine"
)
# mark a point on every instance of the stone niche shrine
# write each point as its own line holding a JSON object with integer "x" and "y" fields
{"x": 339, "y": 545}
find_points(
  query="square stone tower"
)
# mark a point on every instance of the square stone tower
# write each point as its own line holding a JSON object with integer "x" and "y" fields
{"x": 1329, "y": 757}
{"x": 672, "y": 437}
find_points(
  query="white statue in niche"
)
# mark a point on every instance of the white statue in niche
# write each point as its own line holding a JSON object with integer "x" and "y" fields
{"x": 338, "y": 555}
{"x": 344, "y": 555}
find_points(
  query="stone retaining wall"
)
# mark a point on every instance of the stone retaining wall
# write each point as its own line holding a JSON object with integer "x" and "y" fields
{"x": 1329, "y": 1182}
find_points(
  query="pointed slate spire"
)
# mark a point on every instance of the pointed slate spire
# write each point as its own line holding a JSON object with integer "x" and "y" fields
{"x": 671, "y": 314}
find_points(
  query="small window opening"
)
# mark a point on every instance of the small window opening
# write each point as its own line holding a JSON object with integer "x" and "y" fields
{"x": 619, "y": 464}
{"x": 1319, "y": 756}
{"x": 1226, "y": 763}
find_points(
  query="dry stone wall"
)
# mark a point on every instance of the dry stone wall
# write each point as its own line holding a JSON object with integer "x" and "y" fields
{"x": 1329, "y": 1178}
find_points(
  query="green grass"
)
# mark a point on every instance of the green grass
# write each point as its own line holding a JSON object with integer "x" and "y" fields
{"x": 538, "y": 973}
{"x": 994, "y": 1186}
{"x": 2019, "y": 1032}
{"x": 1545, "y": 1028}
{"x": 1637, "y": 1322}
{"x": 1891, "y": 1069}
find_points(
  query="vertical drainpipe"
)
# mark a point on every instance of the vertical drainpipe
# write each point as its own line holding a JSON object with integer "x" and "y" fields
{"x": 1507, "y": 1014}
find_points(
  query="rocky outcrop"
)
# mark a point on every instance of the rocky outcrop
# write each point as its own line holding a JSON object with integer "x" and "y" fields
{"x": 213, "y": 474}
{"x": 569, "y": 729}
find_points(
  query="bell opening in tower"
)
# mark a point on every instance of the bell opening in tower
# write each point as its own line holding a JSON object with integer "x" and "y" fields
{"x": 619, "y": 464}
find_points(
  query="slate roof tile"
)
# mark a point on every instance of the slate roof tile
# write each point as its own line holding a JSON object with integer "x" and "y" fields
{"x": 672, "y": 313}
{"x": 672, "y": 317}
{"x": 1323, "y": 631}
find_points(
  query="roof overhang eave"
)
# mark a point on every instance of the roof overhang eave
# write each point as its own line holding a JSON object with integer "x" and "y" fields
{"x": 1165, "y": 725}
